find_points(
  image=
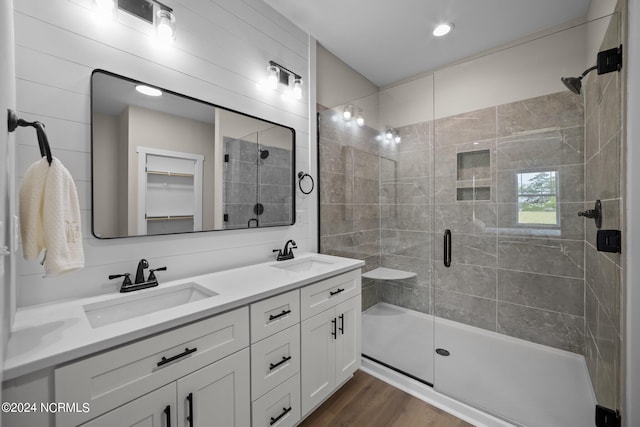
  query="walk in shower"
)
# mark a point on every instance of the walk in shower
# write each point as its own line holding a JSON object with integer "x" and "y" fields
{"x": 461, "y": 192}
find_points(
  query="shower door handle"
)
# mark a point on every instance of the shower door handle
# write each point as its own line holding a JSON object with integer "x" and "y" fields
{"x": 447, "y": 248}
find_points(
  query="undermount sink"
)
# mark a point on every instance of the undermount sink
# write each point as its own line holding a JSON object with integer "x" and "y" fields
{"x": 130, "y": 306}
{"x": 304, "y": 265}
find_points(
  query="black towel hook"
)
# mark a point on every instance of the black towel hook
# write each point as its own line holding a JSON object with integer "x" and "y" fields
{"x": 13, "y": 122}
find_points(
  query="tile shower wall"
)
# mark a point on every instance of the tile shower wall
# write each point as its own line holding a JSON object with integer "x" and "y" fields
{"x": 518, "y": 279}
{"x": 349, "y": 195}
{"x": 604, "y": 271}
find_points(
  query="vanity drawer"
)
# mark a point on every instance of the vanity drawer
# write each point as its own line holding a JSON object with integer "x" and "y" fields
{"x": 117, "y": 376}
{"x": 274, "y": 315}
{"x": 280, "y": 407}
{"x": 320, "y": 296}
{"x": 274, "y": 359}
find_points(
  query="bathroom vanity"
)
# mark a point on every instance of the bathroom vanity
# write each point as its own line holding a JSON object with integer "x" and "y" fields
{"x": 262, "y": 345}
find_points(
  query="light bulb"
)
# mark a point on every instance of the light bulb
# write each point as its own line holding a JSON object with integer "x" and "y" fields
{"x": 442, "y": 30}
{"x": 148, "y": 90}
{"x": 297, "y": 89}
{"x": 273, "y": 77}
{"x": 347, "y": 113}
{"x": 397, "y": 139}
{"x": 165, "y": 26}
{"x": 389, "y": 134}
{"x": 360, "y": 119}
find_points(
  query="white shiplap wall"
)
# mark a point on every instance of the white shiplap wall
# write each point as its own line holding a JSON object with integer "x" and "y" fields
{"x": 220, "y": 54}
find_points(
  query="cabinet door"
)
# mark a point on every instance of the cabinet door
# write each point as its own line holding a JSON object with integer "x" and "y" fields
{"x": 348, "y": 341}
{"x": 219, "y": 394}
{"x": 318, "y": 367}
{"x": 156, "y": 409}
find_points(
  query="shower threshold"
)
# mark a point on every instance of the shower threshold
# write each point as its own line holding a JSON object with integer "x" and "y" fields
{"x": 525, "y": 383}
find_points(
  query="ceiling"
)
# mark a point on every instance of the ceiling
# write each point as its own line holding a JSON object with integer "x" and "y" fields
{"x": 387, "y": 41}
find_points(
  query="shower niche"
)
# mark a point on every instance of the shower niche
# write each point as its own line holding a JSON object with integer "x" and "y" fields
{"x": 473, "y": 175}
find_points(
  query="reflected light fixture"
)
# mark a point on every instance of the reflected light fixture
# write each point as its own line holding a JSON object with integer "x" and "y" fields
{"x": 388, "y": 134}
{"x": 360, "y": 118}
{"x": 277, "y": 75}
{"x": 148, "y": 90}
{"x": 392, "y": 135}
{"x": 443, "y": 29}
{"x": 347, "y": 113}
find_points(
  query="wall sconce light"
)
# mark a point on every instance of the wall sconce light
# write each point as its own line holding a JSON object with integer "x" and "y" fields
{"x": 392, "y": 135}
{"x": 163, "y": 19}
{"x": 277, "y": 74}
{"x": 360, "y": 118}
{"x": 347, "y": 113}
{"x": 165, "y": 24}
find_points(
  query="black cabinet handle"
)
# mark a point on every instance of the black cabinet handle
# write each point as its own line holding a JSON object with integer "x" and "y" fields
{"x": 167, "y": 413}
{"x": 273, "y": 366}
{"x": 336, "y": 292}
{"x": 447, "y": 248}
{"x": 186, "y": 352}
{"x": 190, "y": 416}
{"x": 276, "y": 316}
{"x": 342, "y": 324}
{"x": 285, "y": 411}
{"x": 334, "y": 332}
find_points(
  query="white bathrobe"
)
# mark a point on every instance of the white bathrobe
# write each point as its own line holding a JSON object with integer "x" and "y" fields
{"x": 50, "y": 217}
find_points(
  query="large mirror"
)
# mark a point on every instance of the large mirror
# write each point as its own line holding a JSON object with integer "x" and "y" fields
{"x": 165, "y": 163}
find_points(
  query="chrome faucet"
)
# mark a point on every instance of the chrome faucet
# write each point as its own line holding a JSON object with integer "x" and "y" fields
{"x": 140, "y": 282}
{"x": 287, "y": 253}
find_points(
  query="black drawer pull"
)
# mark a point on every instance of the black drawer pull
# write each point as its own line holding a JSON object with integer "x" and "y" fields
{"x": 336, "y": 292}
{"x": 334, "y": 332}
{"x": 276, "y": 316}
{"x": 186, "y": 352}
{"x": 167, "y": 413}
{"x": 273, "y": 366}
{"x": 285, "y": 411}
{"x": 341, "y": 324}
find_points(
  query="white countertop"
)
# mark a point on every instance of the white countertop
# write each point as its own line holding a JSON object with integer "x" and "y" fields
{"x": 46, "y": 335}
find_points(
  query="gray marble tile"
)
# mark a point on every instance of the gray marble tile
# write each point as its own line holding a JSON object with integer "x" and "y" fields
{"x": 370, "y": 297}
{"x": 275, "y": 193}
{"x": 541, "y": 149}
{"x": 570, "y": 225}
{"x": 558, "y": 330}
{"x": 410, "y": 264}
{"x": 414, "y": 298}
{"x": 332, "y": 156}
{"x": 591, "y": 358}
{"x": 366, "y": 217}
{"x": 366, "y": 190}
{"x": 274, "y": 175}
{"x": 240, "y": 192}
{"x": 466, "y": 217}
{"x": 366, "y": 165}
{"x": 546, "y": 256}
{"x": 237, "y": 171}
{"x": 414, "y": 137}
{"x": 336, "y": 188}
{"x": 591, "y": 92}
{"x": 474, "y": 311}
{"x": 358, "y": 245}
{"x": 388, "y": 291}
{"x": 608, "y": 343}
{"x": 590, "y": 311}
{"x": 592, "y": 134}
{"x": 415, "y": 244}
{"x": 467, "y": 127}
{"x": 406, "y": 217}
{"x": 570, "y": 183}
{"x": 553, "y": 293}
{"x": 609, "y": 176}
{"x": 558, "y": 110}
{"x": 445, "y": 189}
{"x": 407, "y": 164}
{"x": 276, "y": 214}
{"x": 467, "y": 279}
{"x": 604, "y": 277}
{"x": 445, "y": 160}
{"x": 406, "y": 191}
{"x": 336, "y": 219}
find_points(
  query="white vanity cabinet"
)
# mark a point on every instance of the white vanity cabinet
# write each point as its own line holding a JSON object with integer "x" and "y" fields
{"x": 115, "y": 377}
{"x": 330, "y": 330}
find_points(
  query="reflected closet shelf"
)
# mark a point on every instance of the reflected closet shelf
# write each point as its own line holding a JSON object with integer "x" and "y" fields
{"x": 382, "y": 273}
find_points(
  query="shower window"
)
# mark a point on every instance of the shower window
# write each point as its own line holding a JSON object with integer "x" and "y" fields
{"x": 538, "y": 198}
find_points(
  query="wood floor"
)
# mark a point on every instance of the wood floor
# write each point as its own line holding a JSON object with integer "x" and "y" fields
{"x": 365, "y": 401}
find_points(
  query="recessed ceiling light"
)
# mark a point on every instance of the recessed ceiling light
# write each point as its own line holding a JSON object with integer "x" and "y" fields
{"x": 148, "y": 90}
{"x": 442, "y": 30}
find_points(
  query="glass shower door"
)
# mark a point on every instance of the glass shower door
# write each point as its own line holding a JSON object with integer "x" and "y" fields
{"x": 513, "y": 165}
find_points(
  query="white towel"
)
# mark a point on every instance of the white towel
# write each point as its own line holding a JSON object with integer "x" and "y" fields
{"x": 59, "y": 230}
